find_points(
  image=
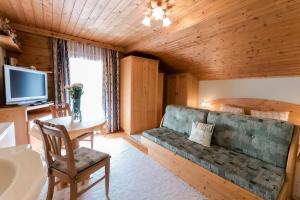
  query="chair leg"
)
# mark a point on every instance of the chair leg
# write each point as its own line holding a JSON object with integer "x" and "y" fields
{"x": 107, "y": 169}
{"x": 51, "y": 183}
{"x": 73, "y": 190}
{"x": 92, "y": 141}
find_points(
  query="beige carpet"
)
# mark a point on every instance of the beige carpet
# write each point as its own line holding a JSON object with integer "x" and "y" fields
{"x": 135, "y": 176}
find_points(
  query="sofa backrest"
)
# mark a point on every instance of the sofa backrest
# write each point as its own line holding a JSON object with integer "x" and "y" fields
{"x": 180, "y": 118}
{"x": 264, "y": 139}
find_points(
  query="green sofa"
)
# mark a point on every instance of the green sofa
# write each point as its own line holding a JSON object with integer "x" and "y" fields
{"x": 248, "y": 151}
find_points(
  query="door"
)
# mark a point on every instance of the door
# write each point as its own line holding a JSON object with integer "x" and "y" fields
{"x": 151, "y": 94}
{"x": 171, "y": 89}
{"x": 138, "y": 109}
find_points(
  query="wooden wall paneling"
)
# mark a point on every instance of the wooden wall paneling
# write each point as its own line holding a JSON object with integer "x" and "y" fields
{"x": 171, "y": 89}
{"x": 36, "y": 51}
{"x": 53, "y": 34}
{"x": 182, "y": 90}
{"x": 193, "y": 91}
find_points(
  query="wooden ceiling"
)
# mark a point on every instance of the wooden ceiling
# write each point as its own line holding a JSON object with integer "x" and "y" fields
{"x": 214, "y": 39}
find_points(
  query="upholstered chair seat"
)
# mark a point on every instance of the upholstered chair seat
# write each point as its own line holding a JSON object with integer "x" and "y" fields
{"x": 83, "y": 157}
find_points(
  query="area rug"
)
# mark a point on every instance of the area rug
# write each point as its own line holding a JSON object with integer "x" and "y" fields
{"x": 135, "y": 176}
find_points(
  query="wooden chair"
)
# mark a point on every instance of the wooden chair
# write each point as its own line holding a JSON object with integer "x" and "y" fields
{"x": 65, "y": 110}
{"x": 73, "y": 167}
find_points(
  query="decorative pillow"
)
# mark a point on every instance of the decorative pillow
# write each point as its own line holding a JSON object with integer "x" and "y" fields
{"x": 231, "y": 109}
{"x": 284, "y": 116}
{"x": 201, "y": 133}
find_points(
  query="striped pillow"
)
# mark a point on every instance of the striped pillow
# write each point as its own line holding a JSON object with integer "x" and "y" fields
{"x": 284, "y": 116}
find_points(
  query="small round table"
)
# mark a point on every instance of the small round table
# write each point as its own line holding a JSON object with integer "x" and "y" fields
{"x": 75, "y": 129}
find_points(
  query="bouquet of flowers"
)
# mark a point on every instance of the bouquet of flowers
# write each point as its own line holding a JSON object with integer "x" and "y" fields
{"x": 75, "y": 91}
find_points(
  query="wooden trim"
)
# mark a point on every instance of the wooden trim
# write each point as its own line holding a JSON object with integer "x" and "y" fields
{"x": 291, "y": 163}
{"x": 53, "y": 34}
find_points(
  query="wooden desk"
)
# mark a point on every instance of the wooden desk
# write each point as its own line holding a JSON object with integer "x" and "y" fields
{"x": 21, "y": 116}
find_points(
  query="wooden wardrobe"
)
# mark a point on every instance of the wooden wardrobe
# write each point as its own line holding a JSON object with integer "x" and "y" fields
{"x": 138, "y": 94}
{"x": 182, "y": 89}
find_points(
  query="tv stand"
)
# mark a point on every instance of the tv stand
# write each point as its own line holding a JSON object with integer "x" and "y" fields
{"x": 23, "y": 117}
{"x": 39, "y": 105}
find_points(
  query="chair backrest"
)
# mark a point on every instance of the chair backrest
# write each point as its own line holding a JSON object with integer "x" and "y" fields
{"x": 53, "y": 138}
{"x": 60, "y": 110}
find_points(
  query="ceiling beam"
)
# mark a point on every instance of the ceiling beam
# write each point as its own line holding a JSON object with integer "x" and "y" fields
{"x": 38, "y": 31}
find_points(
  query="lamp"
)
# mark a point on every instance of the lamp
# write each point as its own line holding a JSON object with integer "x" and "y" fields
{"x": 147, "y": 21}
{"x": 158, "y": 10}
{"x": 166, "y": 22}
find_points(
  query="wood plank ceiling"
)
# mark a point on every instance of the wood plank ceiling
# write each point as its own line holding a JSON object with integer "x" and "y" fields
{"x": 214, "y": 39}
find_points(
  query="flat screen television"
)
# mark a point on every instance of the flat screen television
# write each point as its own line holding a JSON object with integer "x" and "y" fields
{"x": 24, "y": 86}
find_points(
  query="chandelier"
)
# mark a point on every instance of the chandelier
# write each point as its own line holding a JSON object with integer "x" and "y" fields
{"x": 158, "y": 10}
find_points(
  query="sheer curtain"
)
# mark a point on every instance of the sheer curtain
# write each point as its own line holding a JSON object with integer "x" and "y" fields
{"x": 86, "y": 67}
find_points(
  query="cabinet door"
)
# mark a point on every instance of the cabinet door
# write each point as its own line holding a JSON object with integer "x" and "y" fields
{"x": 151, "y": 94}
{"x": 181, "y": 89}
{"x": 138, "y": 96}
{"x": 171, "y": 89}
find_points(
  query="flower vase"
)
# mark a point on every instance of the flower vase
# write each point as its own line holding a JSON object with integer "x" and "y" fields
{"x": 76, "y": 112}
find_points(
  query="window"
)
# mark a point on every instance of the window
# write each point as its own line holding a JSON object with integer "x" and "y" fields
{"x": 89, "y": 73}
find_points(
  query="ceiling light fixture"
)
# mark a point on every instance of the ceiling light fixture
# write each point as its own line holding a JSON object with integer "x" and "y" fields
{"x": 158, "y": 10}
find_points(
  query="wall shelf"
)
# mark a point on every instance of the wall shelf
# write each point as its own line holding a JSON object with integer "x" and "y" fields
{"x": 7, "y": 43}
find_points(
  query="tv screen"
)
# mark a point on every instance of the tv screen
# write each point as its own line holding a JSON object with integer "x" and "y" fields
{"x": 24, "y": 85}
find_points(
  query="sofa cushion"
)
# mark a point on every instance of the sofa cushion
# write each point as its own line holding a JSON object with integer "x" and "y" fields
{"x": 261, "y": 178}
{"x": 264, "y": 139}
{"x": 180, "y": 118}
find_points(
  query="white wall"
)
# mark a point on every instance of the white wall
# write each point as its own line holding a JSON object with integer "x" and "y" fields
{"x": 281, "y": 89}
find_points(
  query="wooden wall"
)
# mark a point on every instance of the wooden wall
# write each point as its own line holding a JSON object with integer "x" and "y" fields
{"x": 36, "y": 51}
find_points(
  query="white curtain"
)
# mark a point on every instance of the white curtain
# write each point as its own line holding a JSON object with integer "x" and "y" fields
{"x": 86, "y": 67}
{"x": 85, "y": 51}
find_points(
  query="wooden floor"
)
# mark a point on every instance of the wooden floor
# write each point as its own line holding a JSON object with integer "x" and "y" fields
{"x": 104, "y": 143}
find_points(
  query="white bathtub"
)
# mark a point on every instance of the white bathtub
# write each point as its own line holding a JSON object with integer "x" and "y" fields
{"x": 23, "y": 173}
